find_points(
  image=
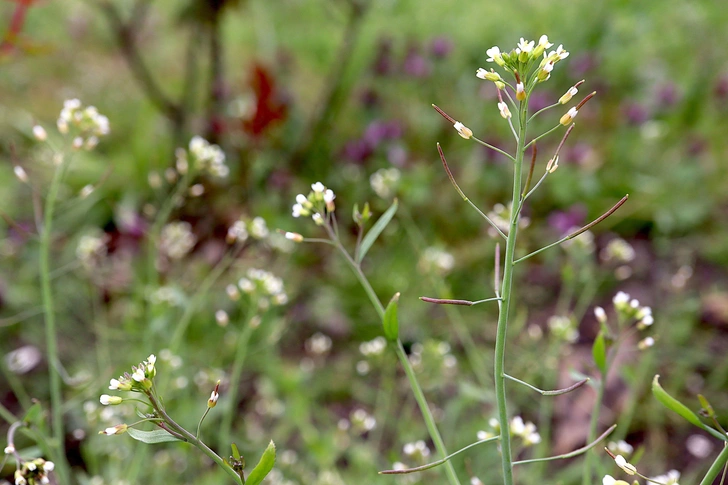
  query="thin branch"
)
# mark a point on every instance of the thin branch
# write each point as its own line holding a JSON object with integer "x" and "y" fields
{"x": 579, "y": 231}
{"x": 452, "y": 120}
{"x": 556, "y": 392}
{"x": 446, "y": 301}
{"x": 542, "y": 135}
{"x": 464, "y": 197}
{"x": 438, "y": 462}
{"x": 572, "y": 453}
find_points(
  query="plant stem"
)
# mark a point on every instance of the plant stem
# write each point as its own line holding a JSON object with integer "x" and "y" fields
{"x": 505, "y": 304}
{"x": 50, "y": 327}
{"x": 425, "y": 409}
{"x": 193, "y": 439}
{"x": 237, "y": 371}
{"x": 404, "y": 361}
{"x": 587, "y": 472}
{"x": 721, "y": 460}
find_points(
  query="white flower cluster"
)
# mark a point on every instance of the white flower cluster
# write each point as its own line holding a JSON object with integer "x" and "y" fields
{"x": 435, "y": 260}
{"x": 90, "y": 250}
{"x": 177, "y": 239}
{"x": 629, "y": 310}
{"x": 318, "y": 203}
{"x": 563, "y": 328}
{"x": 520, "y": 59}
{"x": 32, "y": 472}
{"x": 518, "y": 428}
{"x": 501, "y": 217}
{"x": 617, "y": 250}
{"x": 206, "y": 157}
{"x": 669, "y": 478}
{"x": 362, "y": 421}
{"x": 384, "y": 182}
{"x": 243, "y": 228}
{"x": 418, "y": 450}
{"x": 433, "y": 357}
{"x": 265, "y": 286}
{"x": 318, "y": 344}
{"x": 85, "y": 124}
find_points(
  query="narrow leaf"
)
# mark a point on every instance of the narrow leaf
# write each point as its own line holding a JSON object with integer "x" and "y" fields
{"x": 674, "y": 405}
{"x": 264, "y": 466}
{"x": 236, "y": 452}
{"x": 599, "y": 351}
{"x": 151, "y": 437}
{"x": 376, "y": 230}
{"x": 390, "y": 321}
{"x": 34, "y": 415}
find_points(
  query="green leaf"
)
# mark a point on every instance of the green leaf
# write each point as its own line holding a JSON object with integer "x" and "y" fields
{"x": 236, "y": 452}
{"x": 151, "y": 437}
{"x": 390, "y": 321}
{"x": 376, "y": 230}
{"x": 673, "y": 404}
{"x": 599, "y": 351}
{"x": 264, "y": 466}
{"x": 34, "y": 416}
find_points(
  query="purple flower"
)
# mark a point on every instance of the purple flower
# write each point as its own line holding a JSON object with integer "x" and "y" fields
{"x": 415, "y": 64}
{"x": 635, "y": 113}
{"x": 441, "y": 47}
{"x": 563, "y": 221}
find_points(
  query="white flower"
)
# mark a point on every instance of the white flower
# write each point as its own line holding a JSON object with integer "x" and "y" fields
{"x": 628, "y": 468}
{"x": 525, "y": 46}
{"x": 318, "y": 187}
{"x": 297, "y": 210}
{"x": 114, "y": 384}
{"x": 620, "y": 447}
{"x": 463, "y": 130}
{"x": 318, "y": 219}
{"x": 48, "y": 466}
{"x": 520, "y": 92}
{"x": 301, "y": 199}
{"x": 609, "y": 480}
{"x": 494, "y": 55}
{"x": 646, "y": 343}
{"x": 329, "y": 196}
{"x": 600, "y": 314}
{"x": 138, "y": 375}
{"x": 504, "y": 111}
{"x": 544, "y": 42}
{"x": 9, "y": 450}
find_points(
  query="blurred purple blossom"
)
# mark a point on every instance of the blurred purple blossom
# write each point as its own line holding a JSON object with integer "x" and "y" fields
{"x": 397, "y": 155}
{"x": 383, "y": 63}
{"x": 539, "y": 100}
{"x": 378, "y": 132}
{"x": 667, "y": 95}
{"x": 579, "y": 153}
{"x": 582, "y": 64}
{"x": 563, "y": 221}
{"x": 415, "y": 64}
{"x": 635, "y": 113}
{"x": 721, "y": 88}
{"x": 440, "y": 47}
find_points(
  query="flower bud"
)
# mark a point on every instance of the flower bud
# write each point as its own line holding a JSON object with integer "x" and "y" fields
{"x": 552, "y": 165}
{"x": 39, "y": 133}
{"x": 294, "y": 236}
{"x": 107, "y": 400}
{"x": 118, "y": 429}
{"x": 222, "y": 318}
{"x": 214, "y": 396}
{"x": 568, "y": 95}
{"x": 520, "y": 92}
{"x": 20, "y": 173}
{"x": 646, "y": 343}
{"x": 600, "y": 314}
{"x": 628, "y": 468}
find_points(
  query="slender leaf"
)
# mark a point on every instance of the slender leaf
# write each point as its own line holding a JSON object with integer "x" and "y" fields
{"x": 151, "y": 437}
{"x": 674, "y": 405}
{"x": 390, "y": 321}
{"x": 376, "y": 230}
{"x": 599, "y": 351}
{"x": 34, "y": 416}
{"x": 264, "y": 466}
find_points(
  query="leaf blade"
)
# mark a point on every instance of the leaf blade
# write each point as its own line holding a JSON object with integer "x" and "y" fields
{"x": 376, "y": 230}
{"x": 264, "y": 466}
{"x": 151, "y": 437}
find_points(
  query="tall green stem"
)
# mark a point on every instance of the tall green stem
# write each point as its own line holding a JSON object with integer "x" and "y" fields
{"x": 50, "y": 327}
{"x": 507, "y": 295}
{"x": 404, "y": 361}
{"x": 232, "y": 397}
{"x": 587, "y": 472}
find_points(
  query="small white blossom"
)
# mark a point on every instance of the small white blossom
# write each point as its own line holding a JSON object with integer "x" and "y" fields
{"x": 39, "y": 133}
{"x": 609, "y": 480}
{"x": 20, "y": 173}
{"x": 318, "y": 188}
{"x": 494, "y": 55}
{"x": 504, "y": 111}
{"x": 463, "y": 130}
{"x": 569, "y": 116}
{"x": 600, "y": 314}
{"x": 568, "y": 95}
{"x": 525, "y": 46}
{"x": 628, "y": 468}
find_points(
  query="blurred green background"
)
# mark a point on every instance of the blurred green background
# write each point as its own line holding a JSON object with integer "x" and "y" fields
{"x": 301, "y": 91}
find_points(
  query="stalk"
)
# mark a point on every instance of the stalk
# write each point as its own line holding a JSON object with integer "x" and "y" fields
{"x": 56, "y": 393}
{"x": 404, "y": 361}
{"x": 587, "y": 472}
{"x": 507, "y": 295}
